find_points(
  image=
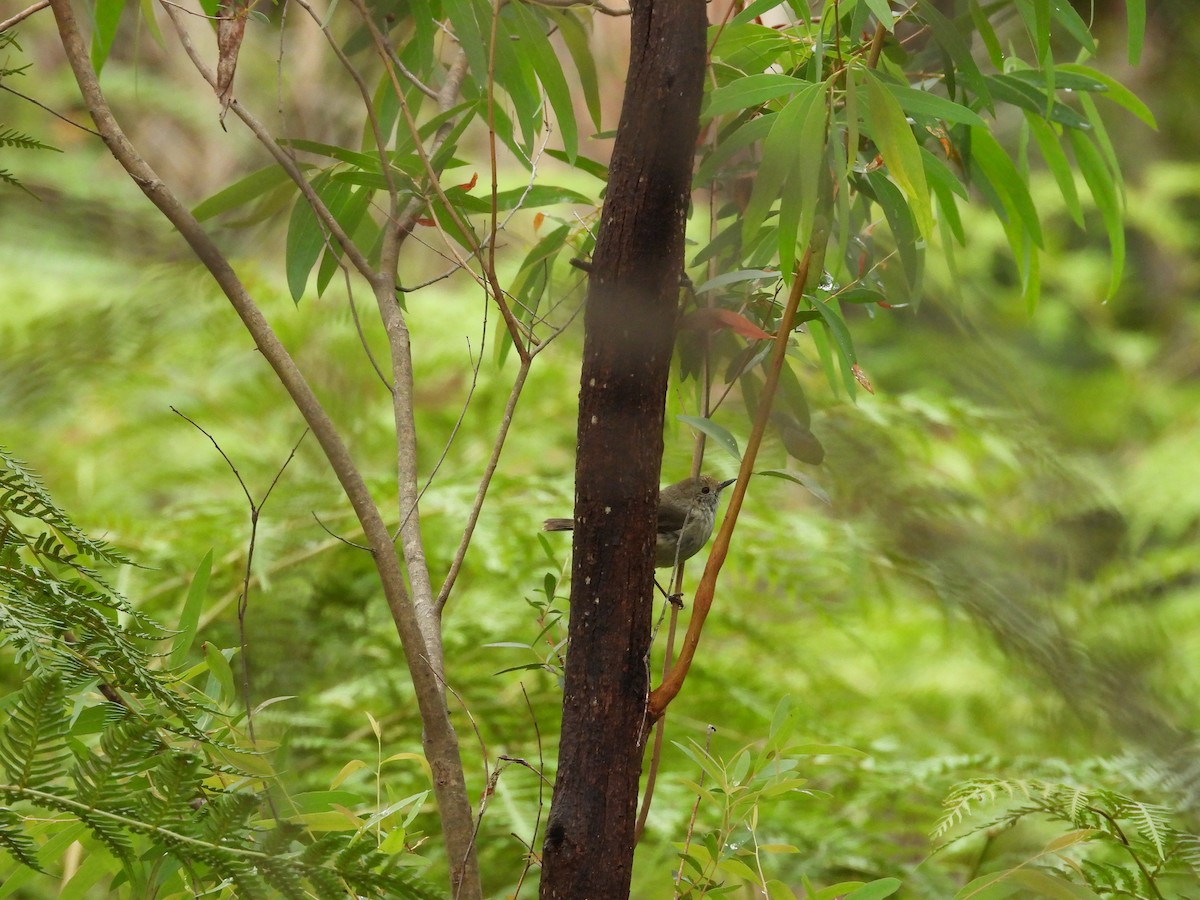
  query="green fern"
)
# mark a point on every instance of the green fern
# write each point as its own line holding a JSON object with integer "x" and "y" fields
{"x": 1144, "y": 832}
{"x": 33, "y": 745}
{"x": 138, "y": 772}
{"x": 10, "y": 137}
{"x": 14, "y": 839}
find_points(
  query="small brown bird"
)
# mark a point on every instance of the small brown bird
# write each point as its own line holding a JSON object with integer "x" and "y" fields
{"x": 687, "y": 511}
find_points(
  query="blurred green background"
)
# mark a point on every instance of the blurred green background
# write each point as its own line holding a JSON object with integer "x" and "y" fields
{"x": 1005, "y": 582}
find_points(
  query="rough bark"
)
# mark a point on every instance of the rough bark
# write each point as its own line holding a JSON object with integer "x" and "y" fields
{"x": 629, "y": 332}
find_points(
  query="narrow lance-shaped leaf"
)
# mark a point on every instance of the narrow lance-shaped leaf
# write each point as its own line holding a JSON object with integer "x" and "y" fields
{"x": 923, "y": 103}
{"x": 305, "y": 237}
{"x": 754, "y": 130}
{"x": 241, "y": 192}
{"x": 575, "y": 37}
{"x": 724, "y": 439}
{"x": 535, "y": 46}
{"x": 1108, "y": 201}
{"x": 883, "y": 12}
{"x": 1002, "y": 176}
{"x": 1059, "y": 165}
{"x": 891, "y": 132}
{"x": 799, "y": 204}
{"x": 1135, "y": 13}
{"x": 107, "y": 17}
{"x": 1114, "y": 91}
{"x": 831, "y": 315}
{"x": 348, "y": 209}
{"x": 190, "y": 614}
{"x": 752, "y": 90}
{"x": 779, "y": 160}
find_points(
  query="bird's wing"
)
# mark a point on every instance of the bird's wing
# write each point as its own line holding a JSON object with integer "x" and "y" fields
{"x": 671, "y": 519}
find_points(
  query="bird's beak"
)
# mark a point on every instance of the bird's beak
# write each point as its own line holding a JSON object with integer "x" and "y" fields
{"x": 725, "y": 484}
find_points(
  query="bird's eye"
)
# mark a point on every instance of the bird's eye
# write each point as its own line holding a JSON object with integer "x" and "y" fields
{"x": 705, "y": 489}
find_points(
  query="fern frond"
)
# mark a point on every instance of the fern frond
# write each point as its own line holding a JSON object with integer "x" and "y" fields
{"x": 101, "y": 779}
{"x": 22, "y": 493}
{"x": 10, "y": 137}
{"x": 10, "y": 179}
{"x": 1152, "y": 823}
{"x": 1112, "y": 879}
{"x": 14, "y": 839}
{"x": 225, "y": 814}
{"x": 33, "y": 742}
{"x": 173, "y": 785}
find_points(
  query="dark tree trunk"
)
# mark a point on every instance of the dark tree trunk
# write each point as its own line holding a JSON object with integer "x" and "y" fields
{"x": 628, "y": 340}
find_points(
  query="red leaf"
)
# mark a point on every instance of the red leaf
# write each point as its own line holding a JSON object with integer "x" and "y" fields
{"x": 538, "y": 220}
{"x": 715, "y": 318}
{"x": 470, "y": 184}
{"x": 426, "y": 221}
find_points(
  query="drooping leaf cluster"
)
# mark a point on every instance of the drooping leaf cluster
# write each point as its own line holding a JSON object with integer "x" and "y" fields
{"x": 840, "y": 147}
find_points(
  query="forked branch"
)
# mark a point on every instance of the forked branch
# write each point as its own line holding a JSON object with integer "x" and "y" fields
{"x": 441, "y": 744}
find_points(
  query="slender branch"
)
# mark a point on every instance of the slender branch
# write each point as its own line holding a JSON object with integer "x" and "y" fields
{"x": 362, "y": 337}
{"x": 385, "y": 164}
{"x": 588, "y": 4}
{"x": 876, "y": 46}
{"x": 441, "y": 745}
{"x": 286, "y": 162}
{"x": 662, "y": 696}
{"x": 243, "y": 607}
{"x": 41, "y": 105}
{"x": 537, "y": 822}
{"x": 660, "y": 725}
{"x": 23, "y": 15}
{"x": 481, "y": 494}
{"x": 462, "y": 415}
{"x": 337, "y": 537}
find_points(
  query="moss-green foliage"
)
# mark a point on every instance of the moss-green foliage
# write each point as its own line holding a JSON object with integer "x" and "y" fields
{"x": 101, "y": 736}
{"x": 1000, "y": 593}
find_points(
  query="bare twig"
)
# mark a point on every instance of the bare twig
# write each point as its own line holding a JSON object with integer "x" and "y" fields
{"x": 441, "y": 745}
{"x": 362, "y": 338}
{"x": 589, "y": 4}
{"x": 542, "y": 784}
{"x": 338, "y": 537}
{"x": 876, "y": 46}
{"x": 52, "y": 112}
{"x": 256, "y": 509}
{"x": 281, "y": 156}
{"x": 23, "y": 15}
{"x": 506, "y": 418}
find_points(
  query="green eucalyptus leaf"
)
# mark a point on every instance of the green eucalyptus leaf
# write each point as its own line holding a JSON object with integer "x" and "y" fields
{"x": 889, "y": 129}
{"x": 751, "y": 91}
{"x": 724, "y": 439}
